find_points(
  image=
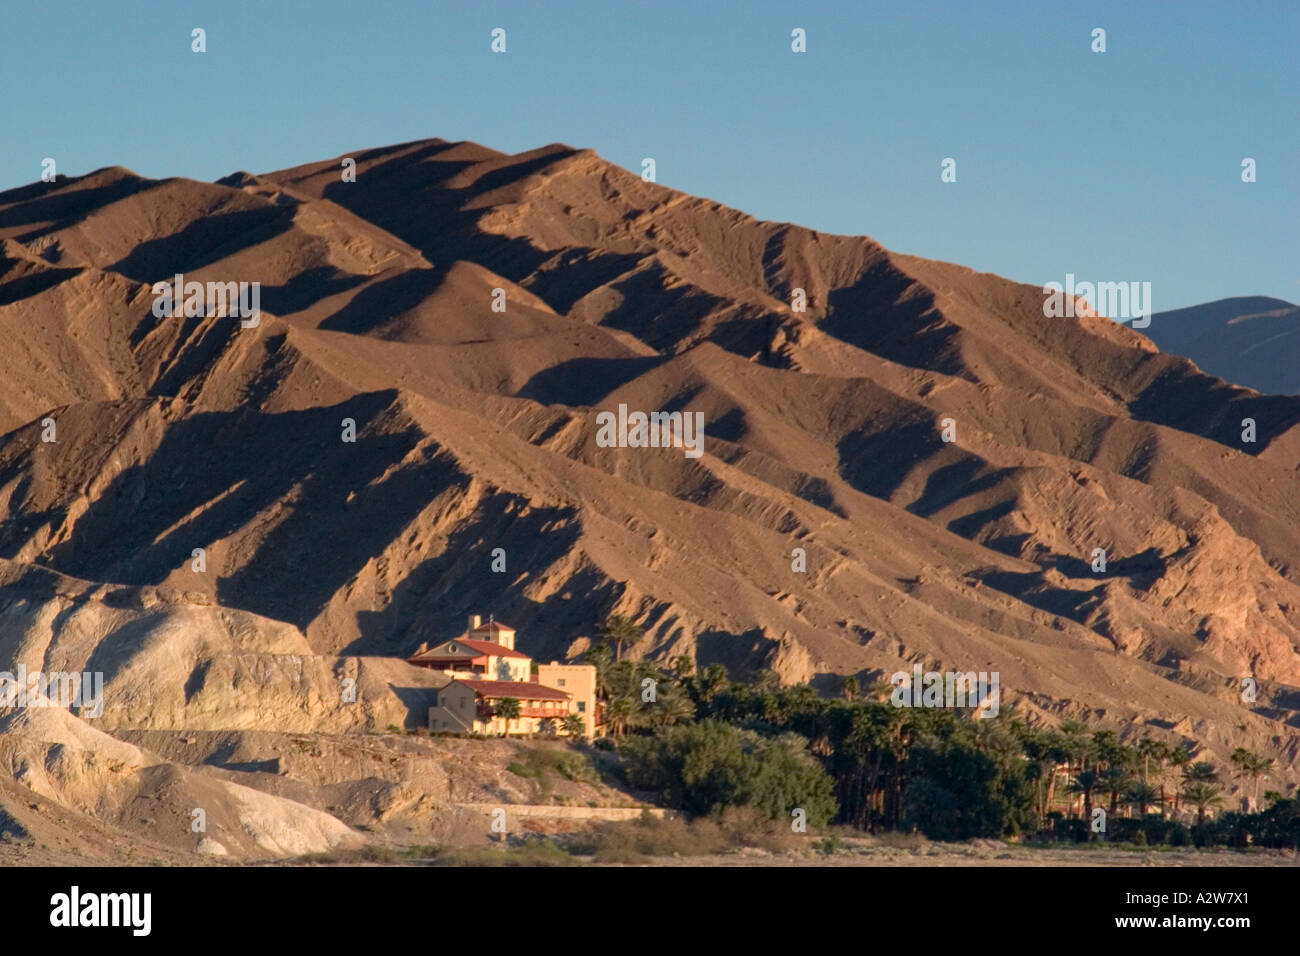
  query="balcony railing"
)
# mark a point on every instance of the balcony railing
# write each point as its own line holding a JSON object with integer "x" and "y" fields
{"x": 558, "y": 712}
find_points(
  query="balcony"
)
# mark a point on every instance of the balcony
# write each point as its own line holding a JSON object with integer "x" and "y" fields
{"x": 558, "y": 712}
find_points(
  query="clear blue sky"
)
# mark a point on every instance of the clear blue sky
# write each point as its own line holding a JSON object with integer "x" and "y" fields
{"x": 1115, "y": 166}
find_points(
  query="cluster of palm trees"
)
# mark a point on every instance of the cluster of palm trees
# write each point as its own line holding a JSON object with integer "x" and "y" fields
{"x": 1135, "y": 777}
{"x": 637, "y": 695}
{"x": 510, "y": 708}
{"x": 868, "y": 745}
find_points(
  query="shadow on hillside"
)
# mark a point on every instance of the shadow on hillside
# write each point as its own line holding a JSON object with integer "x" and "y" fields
{"x": 408, "y": 197}
{"x": 585, "y": 381}
{"x": 53, "y": 203}
{"x": 417, "y": 701}
{"x": 327, "y": 506}
{"x": 877, "y": 463}
{"x": 883, "y": 313}
{"x": 434, "y": 598}
{"x": 963, "y": 478}
{"x": 1185, "y": 398}
{"x": 741, "y": 654}
{"x": 202, "y": 243}
{"x": 32, "y": 284}
{"x": 380, "y": 303}
{"x": 307, "y": 288}
{"x": 1141, "y": 570}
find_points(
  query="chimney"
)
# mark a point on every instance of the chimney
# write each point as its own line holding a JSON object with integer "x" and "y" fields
{"x": 424, "y": 646}
{"x": 475, "y": 621}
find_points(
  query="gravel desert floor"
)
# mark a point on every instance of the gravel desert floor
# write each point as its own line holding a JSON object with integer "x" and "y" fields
{"x": 864, "y": 852}
{"x": 961, "y": 855}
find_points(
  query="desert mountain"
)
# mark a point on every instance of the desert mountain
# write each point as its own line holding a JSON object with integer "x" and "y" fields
{"x": 1251, "y": 340}
{"x": 475, "y": 430}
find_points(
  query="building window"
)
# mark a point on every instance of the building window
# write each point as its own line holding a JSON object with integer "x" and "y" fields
{"x": 582, "y": 706}
{"x": 560, "y": 682}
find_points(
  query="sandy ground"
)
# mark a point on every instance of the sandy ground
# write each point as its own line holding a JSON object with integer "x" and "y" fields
{"x": 940, "y": 855}
{"x": 853, "y": 853}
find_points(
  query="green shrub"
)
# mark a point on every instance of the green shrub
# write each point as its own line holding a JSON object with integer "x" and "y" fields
{"x": 707, "y": 767}
{"x": 544, "y": 763}
{"x": 828, "y": 846}
{"x": 532, "y": 851}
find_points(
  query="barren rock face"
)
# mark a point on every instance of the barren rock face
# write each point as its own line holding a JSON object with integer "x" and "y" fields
{"x": 63, "y": 759}
{"x": 231, "y": 521}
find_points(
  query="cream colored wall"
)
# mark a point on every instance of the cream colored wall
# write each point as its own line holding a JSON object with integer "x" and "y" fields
{"x": 520, "y": 725}
{"x": 458, "y": 706}
{"x": 459, "y": 700}
{"x": 509, "y": 668}
{"x": 457, "y": 712}
{"x": 505, "y": 638}
{"x": 579, "y": 682}
{"x": 443, "y": 720}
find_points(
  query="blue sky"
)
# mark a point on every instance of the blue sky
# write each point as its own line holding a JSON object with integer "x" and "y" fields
{"x": 1117, "y": 166}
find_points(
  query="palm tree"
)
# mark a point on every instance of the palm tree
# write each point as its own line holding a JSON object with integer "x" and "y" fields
{"x": 1239, "y": 758}
{"x": 850, "y": 687}
{"x": 1201, "y": 796}
{"x": 620, "y": 629}
{"x": 618, "y": 712}
{"x": 1149, "y": 749}
{"x": 671, "y": 706}
{"x": 880, "y": 690}
{"x": 599, "y": 656}
{"x": 507, "y": 708}
{"x": 711, "y": 680}
{"x": 1107, "y": 749}
{"x": 1078, "y": 746}
{"x": 1115, "y": 780}
{"x": 1047, "y": 749}
{"x": 1141, "y": 795}
{"x": 1259, "y": 767}
{"x": 1251, "y": 765}
{"x": 574, "y": 726}
{"x": 1084, "y": 782}
{"x": 1178, "y": 758}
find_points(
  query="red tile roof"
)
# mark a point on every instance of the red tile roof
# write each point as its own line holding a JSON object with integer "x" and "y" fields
{"x": 479, "y": 649}
{"x": 491, "y": 647}
{"x": 521, "y": 690}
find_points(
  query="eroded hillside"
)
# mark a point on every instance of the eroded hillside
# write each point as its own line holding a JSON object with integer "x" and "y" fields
{"x": 475, "y": 431}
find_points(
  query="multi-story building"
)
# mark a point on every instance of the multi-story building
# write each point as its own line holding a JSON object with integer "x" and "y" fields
{"x": 486, "y": 669}
{"x": 579, "y": 682}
